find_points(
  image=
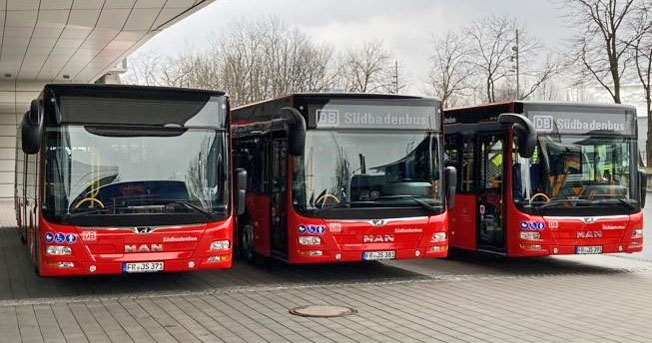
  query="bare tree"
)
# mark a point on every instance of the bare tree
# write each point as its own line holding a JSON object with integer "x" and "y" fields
{"x": 601, "y": 46}
{"x": 366, "y": 69}
{"x": 452, "y": 69}
{"x": 252, "y": 60}
{"x": 493, "y": 42}
{"x": 641, "y": 51}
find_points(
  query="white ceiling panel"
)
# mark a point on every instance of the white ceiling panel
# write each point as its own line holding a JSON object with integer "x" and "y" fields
{"x": 141, "y": 19}
{"x": 18, "y": 5}
{"x": 56, "y": 4}
{"x": 43, "y": 40}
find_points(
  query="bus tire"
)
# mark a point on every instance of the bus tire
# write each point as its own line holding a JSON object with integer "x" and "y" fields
{"x": 247, "y": 250}
{"x": 37, "y": 258}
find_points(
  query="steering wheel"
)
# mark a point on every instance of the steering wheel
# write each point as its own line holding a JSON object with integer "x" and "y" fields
{"x": 543, "y": 195}
{"x": 89, "y": 200}
{"x": 324, "y": 197}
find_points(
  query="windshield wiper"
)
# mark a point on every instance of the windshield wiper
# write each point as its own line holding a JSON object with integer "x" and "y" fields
{"x": 623, "y": 201}
{"x": 191, "y": 206}
{"x": 422, "y": 203}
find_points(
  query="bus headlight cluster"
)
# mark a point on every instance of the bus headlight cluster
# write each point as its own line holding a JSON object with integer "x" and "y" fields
{"x": 220, "y": 245}
{"x": 530, "y": 235}
{"x": 309, "y": 240}
{"x": 58, "y": 250}
{"x": 439, "y": 236}
{"x": 637, "y": 233}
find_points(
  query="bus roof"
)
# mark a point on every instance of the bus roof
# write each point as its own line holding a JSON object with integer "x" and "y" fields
{"x": 491, "y": 111}
{"x": 132, "y": 105}
{"x": 337, "y": 95}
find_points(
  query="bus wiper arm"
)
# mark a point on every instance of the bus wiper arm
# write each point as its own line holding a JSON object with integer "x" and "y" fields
{"x": 422, "y": 203}
{"x": 191, "y": 206}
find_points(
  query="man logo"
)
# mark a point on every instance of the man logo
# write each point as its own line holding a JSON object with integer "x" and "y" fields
{"x": 378, "y": 238}
{"x": 588, "y": 220}
{"x": 143, "y": 229}
{"x": 378, "y": 222}
{"x": 143, "y": 248}
{"x": 328, "y": 118}
{"x": 544, "y": 123}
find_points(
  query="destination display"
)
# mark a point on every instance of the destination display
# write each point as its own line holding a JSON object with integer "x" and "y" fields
{"x": 347, "y": 116}
{"x": 582, "y": 122}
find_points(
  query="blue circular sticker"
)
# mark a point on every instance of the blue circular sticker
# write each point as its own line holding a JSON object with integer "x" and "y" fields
{"x": 71, "y": 238}
{"x": 541, "y": 225}
{"x": 524, "y": 225}
{"x": 320, "y": 229}
{"x": 311, "y": 229}
{"x": 302, "y": 228}
{"x": 49, "y": 237}
{"x": 533, "y": 225}
{"x": 59, "y": 237}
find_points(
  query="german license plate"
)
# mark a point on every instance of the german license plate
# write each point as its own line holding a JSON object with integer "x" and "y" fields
{"x": 379, "y": 255}
{"x": 142, "y": 267}
{"x": 589, "y": 250}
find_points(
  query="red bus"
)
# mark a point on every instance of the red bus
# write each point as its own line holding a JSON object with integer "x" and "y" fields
{"x": 125, "y": 179}
{"x": 546, "y": 178}
{"x": 342, "y": 177}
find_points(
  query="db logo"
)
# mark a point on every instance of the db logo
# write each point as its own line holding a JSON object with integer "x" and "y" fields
{"x": 544, "y": 123}
{"x": 328, "y": 117}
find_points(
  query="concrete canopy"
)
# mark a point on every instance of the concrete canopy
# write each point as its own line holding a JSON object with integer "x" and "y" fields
{"x": 43, "y": 41}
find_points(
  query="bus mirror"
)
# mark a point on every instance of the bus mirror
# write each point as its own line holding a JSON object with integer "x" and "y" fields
{"x": 524, "y": 132}
{"x": 241, "y": 191}
{"x": 451, "y": 185}
{"x": 32, "y": 128}
{"x": 643, "y": 187}
{"x": 296, "y": 130}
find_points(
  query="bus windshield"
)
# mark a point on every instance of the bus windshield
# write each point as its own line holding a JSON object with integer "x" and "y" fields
{"x": 94, "y": 171}
{"x": 368, "y": 169}
{"x": 570, "y": 172}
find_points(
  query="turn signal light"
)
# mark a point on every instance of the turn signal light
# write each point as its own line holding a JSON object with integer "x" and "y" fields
{"x": 311, "y": 253}
{"x": 637, "y": 233}
{"x": 58, "y": 250}
{"x": 309, "y": 240}
{"x": 439, "y": 248}
{"x": 218, "y": 258}
{"x": 62, "y": 264}
{"x": 531, "y": 246}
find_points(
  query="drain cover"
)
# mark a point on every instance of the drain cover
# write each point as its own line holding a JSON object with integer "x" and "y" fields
{"x": 322, "y": 311}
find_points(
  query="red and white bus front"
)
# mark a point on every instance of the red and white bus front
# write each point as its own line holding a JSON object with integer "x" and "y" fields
{"x": 128, "y": 180}
{"x": 343, "y": 177}
{"x": 579, "y": 193}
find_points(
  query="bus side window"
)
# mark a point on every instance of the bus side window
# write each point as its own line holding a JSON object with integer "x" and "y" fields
{"x": 466, "y": 174}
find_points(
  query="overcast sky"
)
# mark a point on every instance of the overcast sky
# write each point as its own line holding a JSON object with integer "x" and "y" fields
{"x": 406, "y": 26}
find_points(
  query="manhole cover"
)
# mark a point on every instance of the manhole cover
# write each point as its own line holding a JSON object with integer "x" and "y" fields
{"x": 322, "y": 311}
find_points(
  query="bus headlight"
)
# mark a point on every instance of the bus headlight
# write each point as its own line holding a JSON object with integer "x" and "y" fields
{"x": 220, "y": 245}
{"x": 309, "y": 240}
{"x": 58, "y": 250}
{"x": 637, "y": 233}
{"x": 530, "y": 235}
{"x": 439, "y": 236}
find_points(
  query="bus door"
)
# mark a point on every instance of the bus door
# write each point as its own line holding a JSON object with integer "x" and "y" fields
{"x": 491, "y": 216}
{"x": 278, "y": 201}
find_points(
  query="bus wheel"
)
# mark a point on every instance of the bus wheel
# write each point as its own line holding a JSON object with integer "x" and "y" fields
{"x": 37, "y": 257}
{"x": 247, "y": 250}
{"x": 21, "y": 232}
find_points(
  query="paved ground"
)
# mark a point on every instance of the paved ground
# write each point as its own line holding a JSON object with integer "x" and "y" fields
{"x": 467, "y": 299}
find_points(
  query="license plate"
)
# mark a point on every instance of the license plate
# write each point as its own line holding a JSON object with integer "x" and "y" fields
{"x": 379, "y": 255}
{"x": 589, "y": 250}
{"x": 142, "y": 267}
